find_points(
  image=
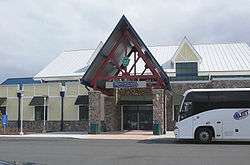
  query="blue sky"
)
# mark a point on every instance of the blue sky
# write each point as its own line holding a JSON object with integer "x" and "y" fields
{"x": 34, "y": 32}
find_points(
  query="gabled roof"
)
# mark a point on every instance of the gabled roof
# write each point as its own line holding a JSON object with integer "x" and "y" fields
{"x": 228, "y": 58}
{"x": 179, "y": 51}
{"x": 20, "y": 81}
{"x": 70, "y": 64}
{"x": 109, "y": 70}
{"x": 216, "y": 57}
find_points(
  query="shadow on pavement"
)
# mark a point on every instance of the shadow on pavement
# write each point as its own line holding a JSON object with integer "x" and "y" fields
{"x": 175, "y": 141}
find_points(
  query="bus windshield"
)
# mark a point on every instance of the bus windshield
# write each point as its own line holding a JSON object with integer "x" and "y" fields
{"x": 186, "y": 110}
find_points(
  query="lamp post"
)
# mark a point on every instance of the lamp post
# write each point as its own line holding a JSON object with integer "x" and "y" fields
{"x": 62, "y": 94}
{"x": 20, "y": 111}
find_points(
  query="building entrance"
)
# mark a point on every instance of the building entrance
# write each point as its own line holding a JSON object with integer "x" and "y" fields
{"x": 137, "y": 117}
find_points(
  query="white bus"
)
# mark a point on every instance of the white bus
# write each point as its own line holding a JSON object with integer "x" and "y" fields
{"x": 214, "y": 114}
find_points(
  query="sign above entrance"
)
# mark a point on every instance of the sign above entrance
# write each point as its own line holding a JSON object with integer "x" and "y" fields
{"x": 126, "y": 84}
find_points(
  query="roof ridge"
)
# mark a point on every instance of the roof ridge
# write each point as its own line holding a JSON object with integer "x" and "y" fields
{"x": 19, "y": 78}
{"x": 162, "y": 45}
{"x": 220, "y": 43}
{"x": 209, "y": 43}
{"x": 72, "y": 50}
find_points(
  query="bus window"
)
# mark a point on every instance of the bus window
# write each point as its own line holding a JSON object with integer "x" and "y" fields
{"x": 187, "y": 106}
{"x": 198, "y": 102}
{"x": 186, "y": 110}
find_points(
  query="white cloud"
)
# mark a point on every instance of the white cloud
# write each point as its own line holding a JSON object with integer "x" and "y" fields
{"x": 33, "y": 32}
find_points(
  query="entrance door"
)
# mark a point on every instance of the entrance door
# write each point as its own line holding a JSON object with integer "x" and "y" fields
{"x": 145, "y": 117}
{"x": 137, "y": 117}
{"x": 130, "y": 117}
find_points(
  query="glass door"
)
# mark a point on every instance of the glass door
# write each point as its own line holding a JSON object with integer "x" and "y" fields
{"x": 145, "y": 117}
{"x": 130, "y": 118}
{"x": 137, "y": 117}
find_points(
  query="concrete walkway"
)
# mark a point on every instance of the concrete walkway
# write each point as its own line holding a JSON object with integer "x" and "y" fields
{"x": 125, "y": 135}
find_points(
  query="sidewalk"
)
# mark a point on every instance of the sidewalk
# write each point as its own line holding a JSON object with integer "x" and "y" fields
{"x": 129, "y": 135}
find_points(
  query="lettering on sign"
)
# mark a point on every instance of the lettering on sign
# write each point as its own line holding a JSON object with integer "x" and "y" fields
{"x": 126, "y": 84}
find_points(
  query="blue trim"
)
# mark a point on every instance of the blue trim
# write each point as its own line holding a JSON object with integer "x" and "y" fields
{"x": 20, "y": 81}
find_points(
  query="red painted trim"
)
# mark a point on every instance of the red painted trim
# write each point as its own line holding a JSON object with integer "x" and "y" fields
{"x": 104, "y": 61}
{"x": 135, "y": 61}
{"x": 118, "y": 67}
{"x": 134, "y": 65}
{"x": 129, "y": 77}
{"x": 154, "y": 76}
{"x": 148, "y": 63}
{"x": 107, "y": 93}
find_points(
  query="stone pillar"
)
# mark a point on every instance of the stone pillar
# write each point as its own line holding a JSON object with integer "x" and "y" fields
{"x": 169, "y": 111}
{"x": 112, "y": 114}
{"x": 158, "y": 107}
{"x": 94, "y": 109}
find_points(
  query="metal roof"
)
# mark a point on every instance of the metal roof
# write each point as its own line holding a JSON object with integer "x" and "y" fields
{"x": 224, "y": 57}
{"x": 15, "y": 81}
{"x": 215, "y": 59}
{"x": 109, "y": 70}
{"x": 227, "y": 57}
{"x": 69, "y": 65}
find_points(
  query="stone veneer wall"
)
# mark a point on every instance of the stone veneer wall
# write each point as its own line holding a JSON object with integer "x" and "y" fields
{"x": 168, "y": 107}
{"x": 112, "y": 114}
{"x": 95, "y": 107}
{"x": 180, "y": 88}
{"x": 51, "y": 126}
{"x": 112, "y": 118}
{"x": 158, "y": 107}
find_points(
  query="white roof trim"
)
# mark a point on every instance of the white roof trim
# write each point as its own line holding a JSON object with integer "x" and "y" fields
{"x": 185, "y": 41}
{"x": 58, "y": 78}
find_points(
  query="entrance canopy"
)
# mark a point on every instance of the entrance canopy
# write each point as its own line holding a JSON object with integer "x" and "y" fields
{"x": 38, "y": 101}
{"x": 82, "y": 100}
{"x": 111, "y": 64}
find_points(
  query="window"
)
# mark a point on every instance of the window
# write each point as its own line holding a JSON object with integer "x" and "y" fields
{"x": 39, "y": 113}
{"x": 187, "y": 70}
{"x": 205, "y": 101}
{"x": 84, "y": 112}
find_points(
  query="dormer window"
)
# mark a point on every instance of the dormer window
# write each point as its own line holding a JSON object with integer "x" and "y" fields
{"x": 186, "y": 60}
{"x": 186, "y": 70}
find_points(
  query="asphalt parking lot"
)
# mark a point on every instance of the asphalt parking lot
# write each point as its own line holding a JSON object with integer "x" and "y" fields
{"x": 122, "y": 152}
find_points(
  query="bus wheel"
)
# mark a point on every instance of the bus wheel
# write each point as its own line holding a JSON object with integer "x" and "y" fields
{"x": 204, "y": 135}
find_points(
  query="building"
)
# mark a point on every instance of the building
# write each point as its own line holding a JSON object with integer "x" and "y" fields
{"x": 123, "y": 84}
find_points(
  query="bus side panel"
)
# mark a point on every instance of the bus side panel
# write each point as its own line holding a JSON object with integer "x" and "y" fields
{"x": 185, "y": 129}
{"x": 224, "y": 123}
{"x": 237, "y": 124}
{"x": 212, "y": 119}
